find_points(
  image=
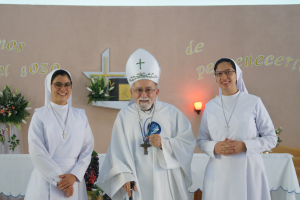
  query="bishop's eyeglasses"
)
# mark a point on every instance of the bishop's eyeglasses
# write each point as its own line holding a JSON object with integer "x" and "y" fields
{"x": 140, "y": 91}
{"x": 227, "y": 73}
{"x": 59, "y": 85}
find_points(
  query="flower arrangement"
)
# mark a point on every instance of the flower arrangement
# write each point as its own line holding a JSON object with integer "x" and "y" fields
{"x": 92, "y": 172}
{"x": 98, "y": 90}
{"x": 278, "y": 132}
{"x": 13, "y": 109}
{"x": 91, "y": 176}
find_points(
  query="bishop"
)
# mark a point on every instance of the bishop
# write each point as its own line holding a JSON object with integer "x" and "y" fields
{"x": 165, "y": 173}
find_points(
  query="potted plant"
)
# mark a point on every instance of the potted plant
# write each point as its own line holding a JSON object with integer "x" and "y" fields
{"x": 98, "y": 90}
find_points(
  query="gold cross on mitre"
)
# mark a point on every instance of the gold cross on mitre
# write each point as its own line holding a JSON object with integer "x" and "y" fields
{"x": 105, "y": 69}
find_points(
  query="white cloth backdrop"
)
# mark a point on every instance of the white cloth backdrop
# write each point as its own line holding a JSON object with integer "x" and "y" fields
{"x": 15, "y": 171}
{"x": 4, "y": 149}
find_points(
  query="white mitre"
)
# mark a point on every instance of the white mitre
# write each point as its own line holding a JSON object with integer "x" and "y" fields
{"x": 142, "y": 65}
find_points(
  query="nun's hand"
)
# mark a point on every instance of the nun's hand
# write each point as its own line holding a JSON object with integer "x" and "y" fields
{"x": 239, "y": 147}
{"x": 67, "y": 181}
{"x": 70, "y": 191}
{"x": 232, "y": 147}
{"x": 225, "y": 147}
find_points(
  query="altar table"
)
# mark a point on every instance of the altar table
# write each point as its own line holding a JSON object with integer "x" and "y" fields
{"x": 15, "y": 171}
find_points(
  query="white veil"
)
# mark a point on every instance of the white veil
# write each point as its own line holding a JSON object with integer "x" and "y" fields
{"x": 240, "y": 82}
{"x": 48, "y": 97}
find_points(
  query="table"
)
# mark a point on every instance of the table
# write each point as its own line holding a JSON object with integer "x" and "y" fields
{"x": 280, "y": 169}
{"x": 15, "y": 172}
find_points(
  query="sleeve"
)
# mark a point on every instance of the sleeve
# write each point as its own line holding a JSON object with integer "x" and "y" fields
{"x": 177, "y": 152}
{"x": 39, "y": 154}
{"x": 84, "y": 157}
{"x": 265, "y": 128}
{"x": 166, "y": 156}
{"x": 118, "y": 167}
{"x": 204, "y": 140}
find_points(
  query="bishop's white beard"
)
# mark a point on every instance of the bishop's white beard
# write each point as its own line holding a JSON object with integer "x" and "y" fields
{"x": 144, "y": 106}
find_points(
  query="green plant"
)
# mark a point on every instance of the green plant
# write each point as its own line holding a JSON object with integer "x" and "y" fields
{"x": 98, "y": 91}
{"x": 13, "y": 107}
{"x": 14, "y": 142}
{"x": 97, "y": 192}
{"x": 2, "y": 136}
{"x": 278, "y": 132}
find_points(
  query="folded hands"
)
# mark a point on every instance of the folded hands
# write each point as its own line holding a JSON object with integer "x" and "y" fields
{"x": 230, "y": 147}
{"x": 66, "y": 184}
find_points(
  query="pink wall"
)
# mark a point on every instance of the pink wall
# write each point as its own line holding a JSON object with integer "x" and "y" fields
{"x": 75, "y": 37}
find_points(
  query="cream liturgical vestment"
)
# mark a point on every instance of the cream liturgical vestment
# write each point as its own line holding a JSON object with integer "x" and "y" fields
{"x": 241, "y": 176}
{"x": 52, "y": 155}
{"x": 162, "y": 174}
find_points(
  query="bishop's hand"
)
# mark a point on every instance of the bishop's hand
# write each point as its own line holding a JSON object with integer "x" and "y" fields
{"x": 155, "y": 140}
{"x": 127, "y": 188}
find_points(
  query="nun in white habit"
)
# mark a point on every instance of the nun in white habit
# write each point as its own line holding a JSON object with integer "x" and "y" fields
{"x": 229, "y": 134}
{"x": 60, "y": 144}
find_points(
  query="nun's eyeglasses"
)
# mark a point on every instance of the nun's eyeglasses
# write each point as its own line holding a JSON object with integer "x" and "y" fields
{"x": 59, "y": 85}
{"x": 227, "y": 73}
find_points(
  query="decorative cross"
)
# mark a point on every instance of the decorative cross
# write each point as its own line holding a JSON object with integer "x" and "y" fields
{"x": 64, "y": 135}
{"x": 140, "y": 63}
{"x": 105, "y": 70}
{"x": 227, "y": 127}
{"x": 145, "y": 146}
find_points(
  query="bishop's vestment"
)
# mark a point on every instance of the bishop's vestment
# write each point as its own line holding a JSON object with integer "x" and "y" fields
{"x": 163, "y": 174}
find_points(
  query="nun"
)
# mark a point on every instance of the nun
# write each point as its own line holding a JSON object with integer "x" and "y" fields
{"x": 60, "y": 144}
{"x": 235, "y": 129}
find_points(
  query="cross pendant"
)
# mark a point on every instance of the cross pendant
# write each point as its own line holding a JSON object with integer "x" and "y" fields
{"x": 227, "y": 127}
{"x": 64, "y": 135}
{"x": 145, "y": 146}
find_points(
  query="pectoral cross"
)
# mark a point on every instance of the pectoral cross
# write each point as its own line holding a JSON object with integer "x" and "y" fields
{"x": 140, "y": 63}
{"x": 227, "y": 127}
{"x": 145, "y": 146}
{"x": 64, "y": 135}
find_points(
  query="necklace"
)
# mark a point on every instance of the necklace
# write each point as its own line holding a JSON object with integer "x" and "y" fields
{"x": 143, "y": 128}
{"x": 63, "y": 129}
{"x": 227, "y": 122}
{"x": 145, "y": 145}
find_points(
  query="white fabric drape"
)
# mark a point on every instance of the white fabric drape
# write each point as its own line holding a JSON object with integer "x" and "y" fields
{"x": 4, "y": 149}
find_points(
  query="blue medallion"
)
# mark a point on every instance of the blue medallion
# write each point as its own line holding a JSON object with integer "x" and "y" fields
{"x": 153, "y": 128}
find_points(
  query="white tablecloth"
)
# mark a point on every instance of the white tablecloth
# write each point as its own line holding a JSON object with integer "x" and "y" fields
{"x": 280, "y": 171}
{"x": 4, "y": 149}
{"x": 15, "y": 172}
